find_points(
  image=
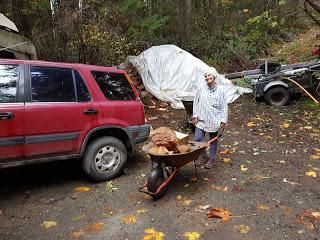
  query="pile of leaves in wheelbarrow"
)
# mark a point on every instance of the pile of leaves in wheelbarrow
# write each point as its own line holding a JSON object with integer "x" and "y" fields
{"x": 166, "y": 141}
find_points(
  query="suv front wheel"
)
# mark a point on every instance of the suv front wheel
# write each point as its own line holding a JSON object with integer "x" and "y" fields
{"x": 105, "y": 158}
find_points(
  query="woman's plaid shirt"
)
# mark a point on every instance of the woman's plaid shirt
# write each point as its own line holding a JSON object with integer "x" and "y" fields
{"x": 210, "y": 106}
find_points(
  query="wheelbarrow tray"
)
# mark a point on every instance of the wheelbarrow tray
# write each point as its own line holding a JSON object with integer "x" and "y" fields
{"x": 180, "y": 159}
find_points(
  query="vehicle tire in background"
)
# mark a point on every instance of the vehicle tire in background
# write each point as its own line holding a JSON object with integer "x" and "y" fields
{"x": 277, "y": 96}
{"x": 104, "y": 159}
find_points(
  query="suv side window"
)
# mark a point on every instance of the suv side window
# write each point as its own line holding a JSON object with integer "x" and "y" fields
{"x": 82, "y": 90}
{"x": 8, "y": 83}
{"x": 50, "y": 84}
{"x": 114, "y": 86}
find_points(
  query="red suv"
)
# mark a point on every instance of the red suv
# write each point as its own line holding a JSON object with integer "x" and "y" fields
{"x": 55, "y": 111}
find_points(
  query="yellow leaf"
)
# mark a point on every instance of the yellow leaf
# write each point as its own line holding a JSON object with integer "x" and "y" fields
{"x": 179, "y": 197}
{"x": 285, "y": 125}
{"x": 92, "y": 228}
{"x": 250, "y": 124}
{"x": 142, "y": 210}
{"x": 153, "y": 234}
{"x": 315, "y": 157}
{"x": 49, "y": 224}
{"x": 316, "y": 215}
{"x": 192, "y": 235}
{"x": 129, "y": 219}
{"x": 243, "y": 168}
{"x": 242, "y": 229}
{"x": 263, "y": 207}
{"x": 311, "y": 174}
{"x": 82, "y": 189}
{"x": 227, "y": 160}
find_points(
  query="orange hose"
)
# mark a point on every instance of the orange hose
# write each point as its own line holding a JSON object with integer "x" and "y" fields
{"x": 303, "y": 89}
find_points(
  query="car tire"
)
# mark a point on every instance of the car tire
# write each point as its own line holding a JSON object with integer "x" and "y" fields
{"x": 277, "y": 96}
{"x": 104, "y": 159}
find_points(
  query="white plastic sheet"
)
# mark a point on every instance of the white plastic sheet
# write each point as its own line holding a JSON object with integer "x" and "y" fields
{"x": 169, "y": 73}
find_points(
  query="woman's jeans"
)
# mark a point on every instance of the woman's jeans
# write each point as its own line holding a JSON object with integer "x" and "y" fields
{"x": 199, "y": 136}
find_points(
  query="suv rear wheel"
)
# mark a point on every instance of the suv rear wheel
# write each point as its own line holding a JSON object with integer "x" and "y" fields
{"x": 277, "y": 96}
{"x": 105, "y": 158}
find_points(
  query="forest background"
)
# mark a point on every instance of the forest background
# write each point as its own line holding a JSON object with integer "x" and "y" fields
{"x": 227, "y": 34}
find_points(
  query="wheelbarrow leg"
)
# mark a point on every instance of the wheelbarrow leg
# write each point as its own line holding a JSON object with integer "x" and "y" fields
{"x": 195, "y": 169}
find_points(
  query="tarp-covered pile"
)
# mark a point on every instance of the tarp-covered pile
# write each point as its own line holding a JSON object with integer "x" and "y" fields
{"x": 170, "y": 73}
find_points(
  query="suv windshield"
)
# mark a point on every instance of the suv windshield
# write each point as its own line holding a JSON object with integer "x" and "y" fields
{"x": 114, "y": 86}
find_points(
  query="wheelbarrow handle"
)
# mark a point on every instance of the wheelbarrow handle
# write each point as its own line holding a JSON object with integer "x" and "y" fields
{"x": 219, "y": 135}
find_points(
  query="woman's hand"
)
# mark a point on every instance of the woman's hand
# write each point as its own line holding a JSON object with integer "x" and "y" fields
{"x": 194, "y": 121}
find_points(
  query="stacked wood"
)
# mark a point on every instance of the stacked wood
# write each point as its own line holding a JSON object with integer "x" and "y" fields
{"x": 166, "y": 141}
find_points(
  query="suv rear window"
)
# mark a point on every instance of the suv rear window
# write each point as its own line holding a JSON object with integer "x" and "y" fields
{"x": 52, "y": 84}
{"x": 114, "y": 86}
{"x": 8, "y": 83}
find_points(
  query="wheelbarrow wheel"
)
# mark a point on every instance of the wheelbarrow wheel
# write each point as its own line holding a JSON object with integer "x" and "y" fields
{"x": 155, "y": 179}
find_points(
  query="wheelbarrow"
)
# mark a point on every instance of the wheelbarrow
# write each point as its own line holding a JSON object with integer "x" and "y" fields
{"x": 167, "y": 166}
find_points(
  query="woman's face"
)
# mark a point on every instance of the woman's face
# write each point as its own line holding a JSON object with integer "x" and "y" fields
{"x": 210, "y": 79}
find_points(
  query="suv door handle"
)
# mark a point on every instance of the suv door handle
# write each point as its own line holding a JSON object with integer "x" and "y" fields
{"x": 91, "y": 111}
{"x": 6, "y": 115}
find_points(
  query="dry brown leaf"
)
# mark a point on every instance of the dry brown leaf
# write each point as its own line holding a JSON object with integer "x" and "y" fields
{"x": 221, "y": 188}
{"x": 308, "y": 218}
{"x": 263, "y": 207}
{"x": 82, "y": 189}
{"x": 286, "y": 210}
{"x": 242, "y": 229}
{"x": 222, "y": 213}
{"x": 92, "y": 228}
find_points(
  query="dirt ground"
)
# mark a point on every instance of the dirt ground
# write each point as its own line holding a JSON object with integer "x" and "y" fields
{"x": 267, "y": 177}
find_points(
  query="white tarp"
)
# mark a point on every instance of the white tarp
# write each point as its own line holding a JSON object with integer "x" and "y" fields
{"x": 169, "y": 73}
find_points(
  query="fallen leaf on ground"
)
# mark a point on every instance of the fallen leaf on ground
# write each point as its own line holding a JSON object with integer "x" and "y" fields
{"x": 311, "y": 174}
{"x": 192, "y": 235}
{"x": 263, "y": 207}
{"x": 109, "y": 186}
{"x": 92, "y": 228}
{"x": 308, "y": 218}
{"x": 243, "y": 168}
{"x": 153, "y": 234}
{"x": 49, "y": 224}
{"x": 142, "y": 210}
{"x": 250, "y": 124}
{"x": 222, "y": 213}
{"x": 78, "y": 218}
{"x": 242, "y": 229}
{"x": 221, "y": 188}
{"x": 286, "y": 210}
{"x": 204, "y": 207}
{"x": 129, "y": 219}
{"x": 285, "y": 125}
{"x": 82, "y": 189}
{"x": 227, "y": 160}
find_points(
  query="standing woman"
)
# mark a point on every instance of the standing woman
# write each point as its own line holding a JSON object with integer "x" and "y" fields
{"x": 210, "y": 113}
